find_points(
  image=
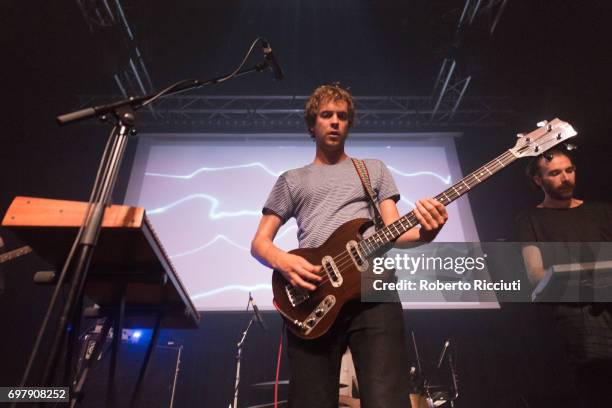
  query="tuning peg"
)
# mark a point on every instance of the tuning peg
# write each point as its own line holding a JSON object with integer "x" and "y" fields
{"x": 542, "y": 123}
{"x": 570, "y": 146}
{"x": 519, "y": 135}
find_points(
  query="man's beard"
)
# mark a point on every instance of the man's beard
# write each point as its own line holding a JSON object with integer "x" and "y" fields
{"x": 563, "y": 192}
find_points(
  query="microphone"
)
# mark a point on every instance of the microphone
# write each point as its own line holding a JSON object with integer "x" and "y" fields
{"x": 258, "y": 315}
{"x": 443, "y": 353}
{"x": 271, "y": 60}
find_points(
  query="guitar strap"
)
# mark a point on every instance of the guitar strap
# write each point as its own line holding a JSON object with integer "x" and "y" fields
{"x": 364, "y": 176}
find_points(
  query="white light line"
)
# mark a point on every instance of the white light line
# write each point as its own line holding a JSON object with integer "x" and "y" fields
{"x": 226, "y": 239}
{"x": 407, "y": 201}
{"x": 285, "y": 232}
{"x": 206, "y": 245}
{"x": 445, "y": 180}
{"x": 213, "y": 169}
{"x": 243, "y": 288}
{"x": 213, "y": 213}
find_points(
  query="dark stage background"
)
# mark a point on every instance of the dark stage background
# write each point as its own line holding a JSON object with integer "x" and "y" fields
{"x": 550, "y": 58}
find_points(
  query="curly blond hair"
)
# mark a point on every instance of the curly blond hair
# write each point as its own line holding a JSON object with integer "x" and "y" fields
{"x": 323, "y": 94}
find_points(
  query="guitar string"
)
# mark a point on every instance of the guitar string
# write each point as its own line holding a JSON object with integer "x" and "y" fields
{"x": 344, "y": 259}
{"x": 497, "y": 164}
{"x": 471, "y": 177}
{"x": 340, "y": 259}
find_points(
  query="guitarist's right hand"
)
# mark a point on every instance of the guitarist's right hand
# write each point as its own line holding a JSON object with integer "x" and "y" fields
{"x": 297, "y": 270}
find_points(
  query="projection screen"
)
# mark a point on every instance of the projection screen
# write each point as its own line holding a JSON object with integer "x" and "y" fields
{"x": 204, "y": 192}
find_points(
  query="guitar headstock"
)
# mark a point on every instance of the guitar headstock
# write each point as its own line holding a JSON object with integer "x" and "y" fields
{"x": 546, "y": 136}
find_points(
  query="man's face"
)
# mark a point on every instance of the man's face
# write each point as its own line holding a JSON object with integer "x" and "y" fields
{"x": 557, "y": 177}
{"x": 331, "y": 126}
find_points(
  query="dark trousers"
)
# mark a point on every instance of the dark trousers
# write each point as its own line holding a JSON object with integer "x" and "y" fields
{"x": 375, "y": 334}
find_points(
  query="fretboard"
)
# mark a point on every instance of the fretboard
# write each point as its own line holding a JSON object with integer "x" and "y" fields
{"x": 383, "y": 237}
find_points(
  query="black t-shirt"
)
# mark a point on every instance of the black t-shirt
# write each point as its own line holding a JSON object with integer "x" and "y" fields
{"x": 586, "y": 329}
{"x": 589, "y": 222}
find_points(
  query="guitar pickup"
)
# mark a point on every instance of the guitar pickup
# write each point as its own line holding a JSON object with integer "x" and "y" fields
{"x": 330, "y": 268}
{"x": 361, "y": 263}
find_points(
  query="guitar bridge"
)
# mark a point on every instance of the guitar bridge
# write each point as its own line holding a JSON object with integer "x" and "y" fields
{"x": 296, "y": 295}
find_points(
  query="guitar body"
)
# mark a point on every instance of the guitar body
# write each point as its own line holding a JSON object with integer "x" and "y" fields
{"x": 327, "y": 299}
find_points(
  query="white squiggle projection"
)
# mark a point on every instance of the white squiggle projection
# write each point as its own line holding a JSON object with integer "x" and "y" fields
{"x": 286, "y": 231}
{"x": 407, "y": 201}
{"x": 213, "y": 213}
{"x": 224, "y": 214}
{"x": 205, "y": 199}
{"x": 444, "y": 179}
{"x": 213, "y": 169}
{"x": 243, "y": 288}
{"x": 226, "y": 239}
{"x": 209, "y": 243}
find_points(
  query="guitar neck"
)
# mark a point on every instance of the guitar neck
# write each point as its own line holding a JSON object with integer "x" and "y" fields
{"x": 383, "y": 237}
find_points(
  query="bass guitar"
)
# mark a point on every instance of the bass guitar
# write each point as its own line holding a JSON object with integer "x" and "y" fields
{"x": 346, "y": 255}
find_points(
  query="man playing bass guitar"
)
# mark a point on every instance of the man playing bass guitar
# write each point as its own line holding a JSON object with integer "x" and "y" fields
{"x": 322, "y": 196}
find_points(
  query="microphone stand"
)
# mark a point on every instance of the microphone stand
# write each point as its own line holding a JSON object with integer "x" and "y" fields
{"x": 125, "y": 121}
{"x": 238, "y": 358}
{"x": 240, "y": 344}
{"x": 140, "y": 101}
{"x": 123, "y": 112}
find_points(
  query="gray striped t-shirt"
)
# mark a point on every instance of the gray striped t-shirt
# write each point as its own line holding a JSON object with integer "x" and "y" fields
{"x": 322, "y": 197}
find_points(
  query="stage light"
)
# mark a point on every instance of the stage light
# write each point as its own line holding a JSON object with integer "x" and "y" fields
{"x": 134, "y": 336}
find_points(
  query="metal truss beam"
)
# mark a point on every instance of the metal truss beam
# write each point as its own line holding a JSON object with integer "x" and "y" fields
{"x": 225, "y": 113}
{"x": 451, "y": 84}
{"x": 107, "y": 19}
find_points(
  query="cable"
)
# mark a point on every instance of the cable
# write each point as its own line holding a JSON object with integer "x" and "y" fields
{"x": 278, "y": 362}
{"x": 199, "y": 82}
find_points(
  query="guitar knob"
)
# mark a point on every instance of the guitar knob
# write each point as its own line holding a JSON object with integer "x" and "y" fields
{"x": 319, "y": 312}
{"x": 310, "y": 322}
